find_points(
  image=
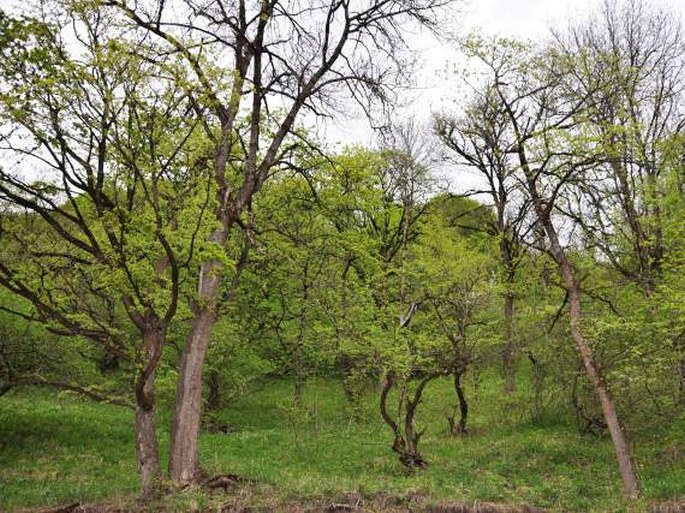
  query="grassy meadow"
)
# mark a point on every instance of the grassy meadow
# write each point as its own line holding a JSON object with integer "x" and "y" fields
{"x": 58, "y": 449}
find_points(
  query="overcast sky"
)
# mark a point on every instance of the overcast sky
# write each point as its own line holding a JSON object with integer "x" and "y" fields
{"x": 434, "y": 88}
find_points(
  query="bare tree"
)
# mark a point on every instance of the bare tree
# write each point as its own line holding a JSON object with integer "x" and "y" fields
{"x": 480, "y": 140}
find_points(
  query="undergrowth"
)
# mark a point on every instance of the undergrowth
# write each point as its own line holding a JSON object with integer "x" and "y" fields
{"x": 57, "y": 448}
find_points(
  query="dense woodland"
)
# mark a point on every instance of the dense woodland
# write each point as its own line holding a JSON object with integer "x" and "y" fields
{"x": 174, "y": 236}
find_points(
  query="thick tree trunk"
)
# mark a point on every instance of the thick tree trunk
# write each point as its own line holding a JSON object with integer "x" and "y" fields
{"x": 147, "y": 446}
{"x": 147, "y": 451}
{"x": 184, "y": 467}
{"x": 509, "y": 350}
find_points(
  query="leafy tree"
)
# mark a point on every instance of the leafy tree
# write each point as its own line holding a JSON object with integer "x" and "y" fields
{"x": 456, "y": 273}
{"x": 108, "y": 173}
{"x": 299, "y": 55}
{"x": 296, "y": 272}
{"x": 537, "y": 120}
{"x": 626, "y": 71}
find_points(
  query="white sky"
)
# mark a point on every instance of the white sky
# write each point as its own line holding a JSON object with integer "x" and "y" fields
{"x": 435, "y": 86}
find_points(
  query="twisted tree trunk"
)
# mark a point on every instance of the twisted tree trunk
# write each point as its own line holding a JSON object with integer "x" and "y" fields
{"x": 459, "y": 428}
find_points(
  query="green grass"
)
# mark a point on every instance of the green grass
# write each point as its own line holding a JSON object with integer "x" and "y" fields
{"x": 55, "y": 450}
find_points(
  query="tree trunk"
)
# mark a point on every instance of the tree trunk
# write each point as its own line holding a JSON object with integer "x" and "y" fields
{"x": 681, "y": 382}
{"x": 184, "y": 467}
{"x": 543, "y": 212}
{"x": 399, "y": 445}
{"x": 680, "y": 352}
{"x": 625, "y": 463}
{"x": 537, "y": 386}
{"x": 298, "y": 378}
{"x": 298, "y": 363}
{"x": 406, "y": 443}
{"x": 147, "y": 446}
{"x": 460, "y": 427}
{"x": 509, "y": 350}
{"x": 147, "y": 451}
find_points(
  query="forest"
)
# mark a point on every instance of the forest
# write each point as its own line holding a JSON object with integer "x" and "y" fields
{"x": 205, "y": 306}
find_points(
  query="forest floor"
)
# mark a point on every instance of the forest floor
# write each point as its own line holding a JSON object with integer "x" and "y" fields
{"x": 57, "y": 449}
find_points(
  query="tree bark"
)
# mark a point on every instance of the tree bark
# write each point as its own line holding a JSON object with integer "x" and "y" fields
{"x": 147, "y": 451}
{"x": 184, "y": 465}
{"x": 147, "y": 445}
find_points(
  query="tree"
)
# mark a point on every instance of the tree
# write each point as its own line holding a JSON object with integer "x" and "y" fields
{"x": 538, "y": 118}
{"x": 478, "y": 140}
{"x": 350, "y": 194}
{"x": 455, "y": 271}
{"x": 405, "y": 186}
{"x": 628, "y": 71}
{"x": 296, "y": 55}
{"x": 95, "y": 232}
{"x": 295, "y": 274}
{"x": 626, "y": 67}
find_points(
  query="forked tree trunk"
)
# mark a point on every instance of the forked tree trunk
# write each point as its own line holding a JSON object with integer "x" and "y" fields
{"x": 406, "y": 438}
{"x": 184, "y": 467}
{"x": 147, "y": 446}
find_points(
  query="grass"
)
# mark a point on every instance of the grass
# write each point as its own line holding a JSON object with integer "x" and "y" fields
{"x": 57, "y": 449}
